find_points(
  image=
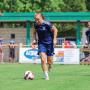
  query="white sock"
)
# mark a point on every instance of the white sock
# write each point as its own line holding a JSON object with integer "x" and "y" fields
{"x": 46, "y": 74}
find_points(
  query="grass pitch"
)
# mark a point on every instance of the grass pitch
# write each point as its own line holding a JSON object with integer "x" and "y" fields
{"x": 62, "y": 77}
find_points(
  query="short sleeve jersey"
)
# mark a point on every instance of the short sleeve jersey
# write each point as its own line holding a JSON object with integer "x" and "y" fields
{"x": 45, "y": 35}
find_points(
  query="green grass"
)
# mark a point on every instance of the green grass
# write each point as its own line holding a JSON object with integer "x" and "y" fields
{"x": 62, "y": 77}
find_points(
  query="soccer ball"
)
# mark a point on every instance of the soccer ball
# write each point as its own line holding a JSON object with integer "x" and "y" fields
{"x": 28, "y": 75}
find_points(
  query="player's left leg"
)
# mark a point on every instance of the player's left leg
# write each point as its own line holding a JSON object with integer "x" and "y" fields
{"x": 50, "y": 62}
{"x": 50, "y": 51}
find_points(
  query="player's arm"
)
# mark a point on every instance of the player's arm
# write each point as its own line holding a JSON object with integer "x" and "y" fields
{"x": 54, "y": 30}
{"x": 35, "y": 37}
{"x": 33, "y": 44}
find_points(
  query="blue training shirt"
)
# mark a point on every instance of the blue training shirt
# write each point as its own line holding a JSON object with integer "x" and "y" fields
{"x": 45, "y": 35}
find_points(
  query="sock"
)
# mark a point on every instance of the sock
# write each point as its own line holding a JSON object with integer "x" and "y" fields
{"x": 46, "y": 74}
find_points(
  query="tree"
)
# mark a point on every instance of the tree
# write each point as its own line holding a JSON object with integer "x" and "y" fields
{"x": 88, "y": 5}
{"x": 46, "y": 6}
{"x": 75, "y": 5}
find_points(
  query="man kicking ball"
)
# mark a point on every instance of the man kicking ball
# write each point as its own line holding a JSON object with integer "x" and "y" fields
{"x": 47, "y": 39}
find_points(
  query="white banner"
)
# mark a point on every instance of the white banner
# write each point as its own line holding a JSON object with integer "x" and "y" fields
{"x": 62, "y": 56}
{"x": 67, "y": 56}
{"x": 29, "y": 55}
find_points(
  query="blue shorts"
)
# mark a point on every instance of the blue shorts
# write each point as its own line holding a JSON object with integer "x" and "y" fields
{"x": 47, "y": 48}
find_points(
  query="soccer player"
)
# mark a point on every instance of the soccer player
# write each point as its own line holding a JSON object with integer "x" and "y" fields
{"x": 47, "y": 39}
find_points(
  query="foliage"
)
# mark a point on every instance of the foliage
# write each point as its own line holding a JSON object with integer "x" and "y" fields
{"x": 46, "y": 6}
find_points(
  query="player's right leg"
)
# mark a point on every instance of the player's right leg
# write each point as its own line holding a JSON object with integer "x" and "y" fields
{"x": 43, "y": 56}
{"x": 44, "y": 65}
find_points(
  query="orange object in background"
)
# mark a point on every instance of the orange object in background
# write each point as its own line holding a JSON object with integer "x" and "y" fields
{"x": 66, "y": 44}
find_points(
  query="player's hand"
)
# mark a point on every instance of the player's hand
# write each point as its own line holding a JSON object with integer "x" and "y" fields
{"x": 33, "y": 44}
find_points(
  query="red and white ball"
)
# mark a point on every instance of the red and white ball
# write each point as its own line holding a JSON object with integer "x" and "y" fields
{"x": 28, "y": 75}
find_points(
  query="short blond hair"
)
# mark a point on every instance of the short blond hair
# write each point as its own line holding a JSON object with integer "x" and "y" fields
{"x": 40, "y": 15}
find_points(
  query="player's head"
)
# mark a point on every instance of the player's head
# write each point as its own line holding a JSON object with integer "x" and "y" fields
{"x": 39, "y": 18}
